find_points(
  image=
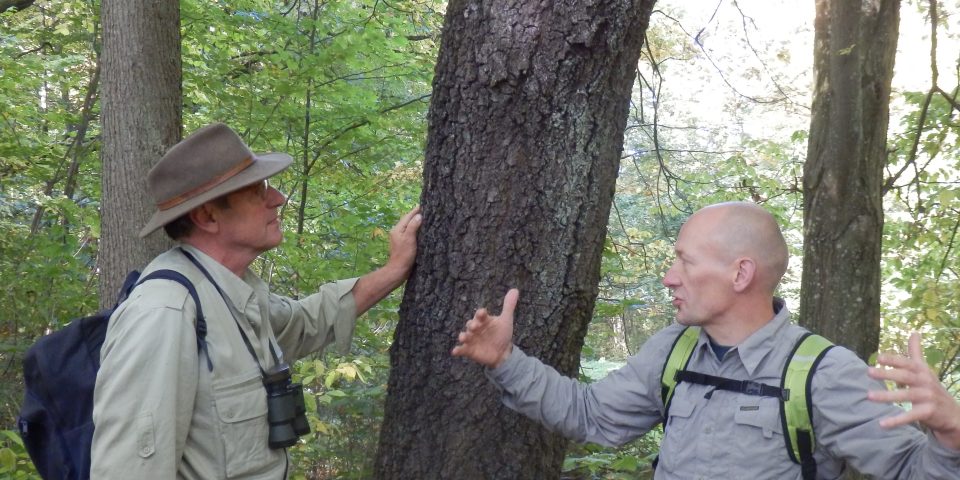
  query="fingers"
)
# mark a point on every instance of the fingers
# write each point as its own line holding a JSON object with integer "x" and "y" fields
{"x": 894, "y": 361}
{"x": 915, "y": 348}
{"x": 414, "y": 224}
{"x": 473, "y": 327}
{"x": 913, "y": 361}
{"x": 901, "y": 376}
{"x": 889, "y": 396}
{"x": 479, "y": 320}
{"x": 510, "y": 302}
{"x": 902, "y": 370}
{"x": 480, "y": 336}
{"x": 410, "y": 219}
{"x": 902, "y": 419}
{"x": 403, "y": 242}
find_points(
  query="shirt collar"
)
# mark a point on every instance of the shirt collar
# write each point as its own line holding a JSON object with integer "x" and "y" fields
{"x": 238, "y": 290}
{"x": 757, "y": 346}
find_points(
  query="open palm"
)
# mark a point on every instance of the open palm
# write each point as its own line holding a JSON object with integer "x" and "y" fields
{"x": 488, "y": 339}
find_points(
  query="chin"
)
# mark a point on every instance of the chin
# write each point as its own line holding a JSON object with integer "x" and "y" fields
{"x": 688, "y": 322}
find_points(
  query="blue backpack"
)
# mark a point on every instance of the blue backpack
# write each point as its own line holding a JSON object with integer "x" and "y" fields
{"x": 59, "y": 372}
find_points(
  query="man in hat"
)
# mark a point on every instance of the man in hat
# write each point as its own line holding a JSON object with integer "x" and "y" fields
{"x": 729, "y": 259}
{"x": 166, "y": 407}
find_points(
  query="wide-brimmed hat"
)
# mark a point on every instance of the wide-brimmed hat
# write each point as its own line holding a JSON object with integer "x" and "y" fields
{"x": 208, "y": 164}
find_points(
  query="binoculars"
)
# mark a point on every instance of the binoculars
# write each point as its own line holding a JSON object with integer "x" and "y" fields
{"x": 286, "y": 412}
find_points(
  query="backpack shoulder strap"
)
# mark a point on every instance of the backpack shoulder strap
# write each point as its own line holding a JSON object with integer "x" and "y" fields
{"x": 677, "y": 360}
{"x": 201, "y": 326}
{"x": 797, "y": 409}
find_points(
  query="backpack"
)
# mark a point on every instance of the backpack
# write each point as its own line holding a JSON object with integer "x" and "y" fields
{"x": 793, "y": 393}
{"x": 59, "y": 372}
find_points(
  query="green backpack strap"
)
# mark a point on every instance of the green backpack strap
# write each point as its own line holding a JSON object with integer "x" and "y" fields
{"x": 796, "y": 410}
{"x": 680, "y": 354}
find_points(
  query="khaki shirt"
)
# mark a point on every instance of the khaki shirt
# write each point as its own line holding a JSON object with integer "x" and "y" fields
{"x": 160, "y": 413}
{"x": 721, "y": 434}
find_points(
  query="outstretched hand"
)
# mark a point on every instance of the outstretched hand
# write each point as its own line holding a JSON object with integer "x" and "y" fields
{"x": 488, "y": 339}
{"x": 932, "y": 405}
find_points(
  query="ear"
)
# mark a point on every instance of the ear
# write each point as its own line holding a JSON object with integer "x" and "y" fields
{"x": 745, "y": 273}
{"x": 204, "y": 218}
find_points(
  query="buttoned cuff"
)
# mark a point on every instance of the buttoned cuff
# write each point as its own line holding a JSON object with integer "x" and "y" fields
{"x": 343, "y": 312}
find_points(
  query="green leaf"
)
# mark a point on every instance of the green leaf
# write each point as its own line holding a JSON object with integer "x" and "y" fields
{"x": 934, "y": 355}
{"x": 626, "y": 464}
{"x": 13, "y": 437}
{"x": 8, "y": 459}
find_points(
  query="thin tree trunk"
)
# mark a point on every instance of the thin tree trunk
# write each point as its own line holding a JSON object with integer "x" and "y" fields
{"x": 75, "y": 152}
{"x": 526, "y": 129}
{"x": 141, "y": 119}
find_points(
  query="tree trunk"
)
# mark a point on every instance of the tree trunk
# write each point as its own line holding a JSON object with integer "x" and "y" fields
{"x": 526, "y": 129}
{"x": 14, "y": 4}
{"x": 854, "y": 48}
{"x": 141, "y": 119}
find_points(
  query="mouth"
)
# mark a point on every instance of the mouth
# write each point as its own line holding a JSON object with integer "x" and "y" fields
{"x": 676, "y": 302}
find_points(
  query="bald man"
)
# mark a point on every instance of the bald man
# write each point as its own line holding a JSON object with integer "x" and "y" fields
{"x": 730, "y": 258}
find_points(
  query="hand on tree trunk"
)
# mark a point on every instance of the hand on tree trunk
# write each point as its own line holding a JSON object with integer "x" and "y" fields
{"x": 488, "y": 339}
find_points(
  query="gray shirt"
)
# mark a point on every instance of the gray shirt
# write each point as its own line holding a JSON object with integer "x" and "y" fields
{"x": 728, "y": 434}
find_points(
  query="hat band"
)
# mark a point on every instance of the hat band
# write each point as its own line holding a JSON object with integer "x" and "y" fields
{"x": 183, "y": 197}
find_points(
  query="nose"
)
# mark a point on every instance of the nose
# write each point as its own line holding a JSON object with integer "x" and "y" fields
{"x": 670, "y": 279}
{"x": 275, "y": 198}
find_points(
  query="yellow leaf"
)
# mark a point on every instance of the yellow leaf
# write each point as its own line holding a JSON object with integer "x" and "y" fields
{"x": 321, "y": 427}
{"x": 348, "y": 371}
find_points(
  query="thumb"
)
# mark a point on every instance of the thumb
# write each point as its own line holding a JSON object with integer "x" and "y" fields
{"x": 510, "y": 302}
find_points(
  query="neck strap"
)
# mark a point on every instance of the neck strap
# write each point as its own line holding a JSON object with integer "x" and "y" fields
{"x": 274, "y": 349}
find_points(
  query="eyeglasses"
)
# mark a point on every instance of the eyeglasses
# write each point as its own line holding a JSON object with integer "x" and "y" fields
{"x": 261, "y": 189}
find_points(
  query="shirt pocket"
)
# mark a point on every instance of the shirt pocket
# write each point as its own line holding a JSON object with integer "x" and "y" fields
{"x": 758, "y": 431}
{"x": 760, "y": 415}
{"x": 677, "y": 447}
{"x": 241, "y": 405}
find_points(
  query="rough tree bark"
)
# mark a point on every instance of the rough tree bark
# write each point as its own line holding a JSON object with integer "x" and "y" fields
{"x": 526, "y": 129}
{"x": 854, "y": 48}
{"x": 141, "y": 119}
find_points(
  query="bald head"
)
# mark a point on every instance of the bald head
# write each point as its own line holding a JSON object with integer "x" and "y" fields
{"x": 743, "y": 229}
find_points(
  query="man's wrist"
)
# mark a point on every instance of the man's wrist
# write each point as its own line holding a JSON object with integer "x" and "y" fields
{"x": 949, "y": 440}
{"x": 395, "y": 272}
{"x": 503, "y": 357}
